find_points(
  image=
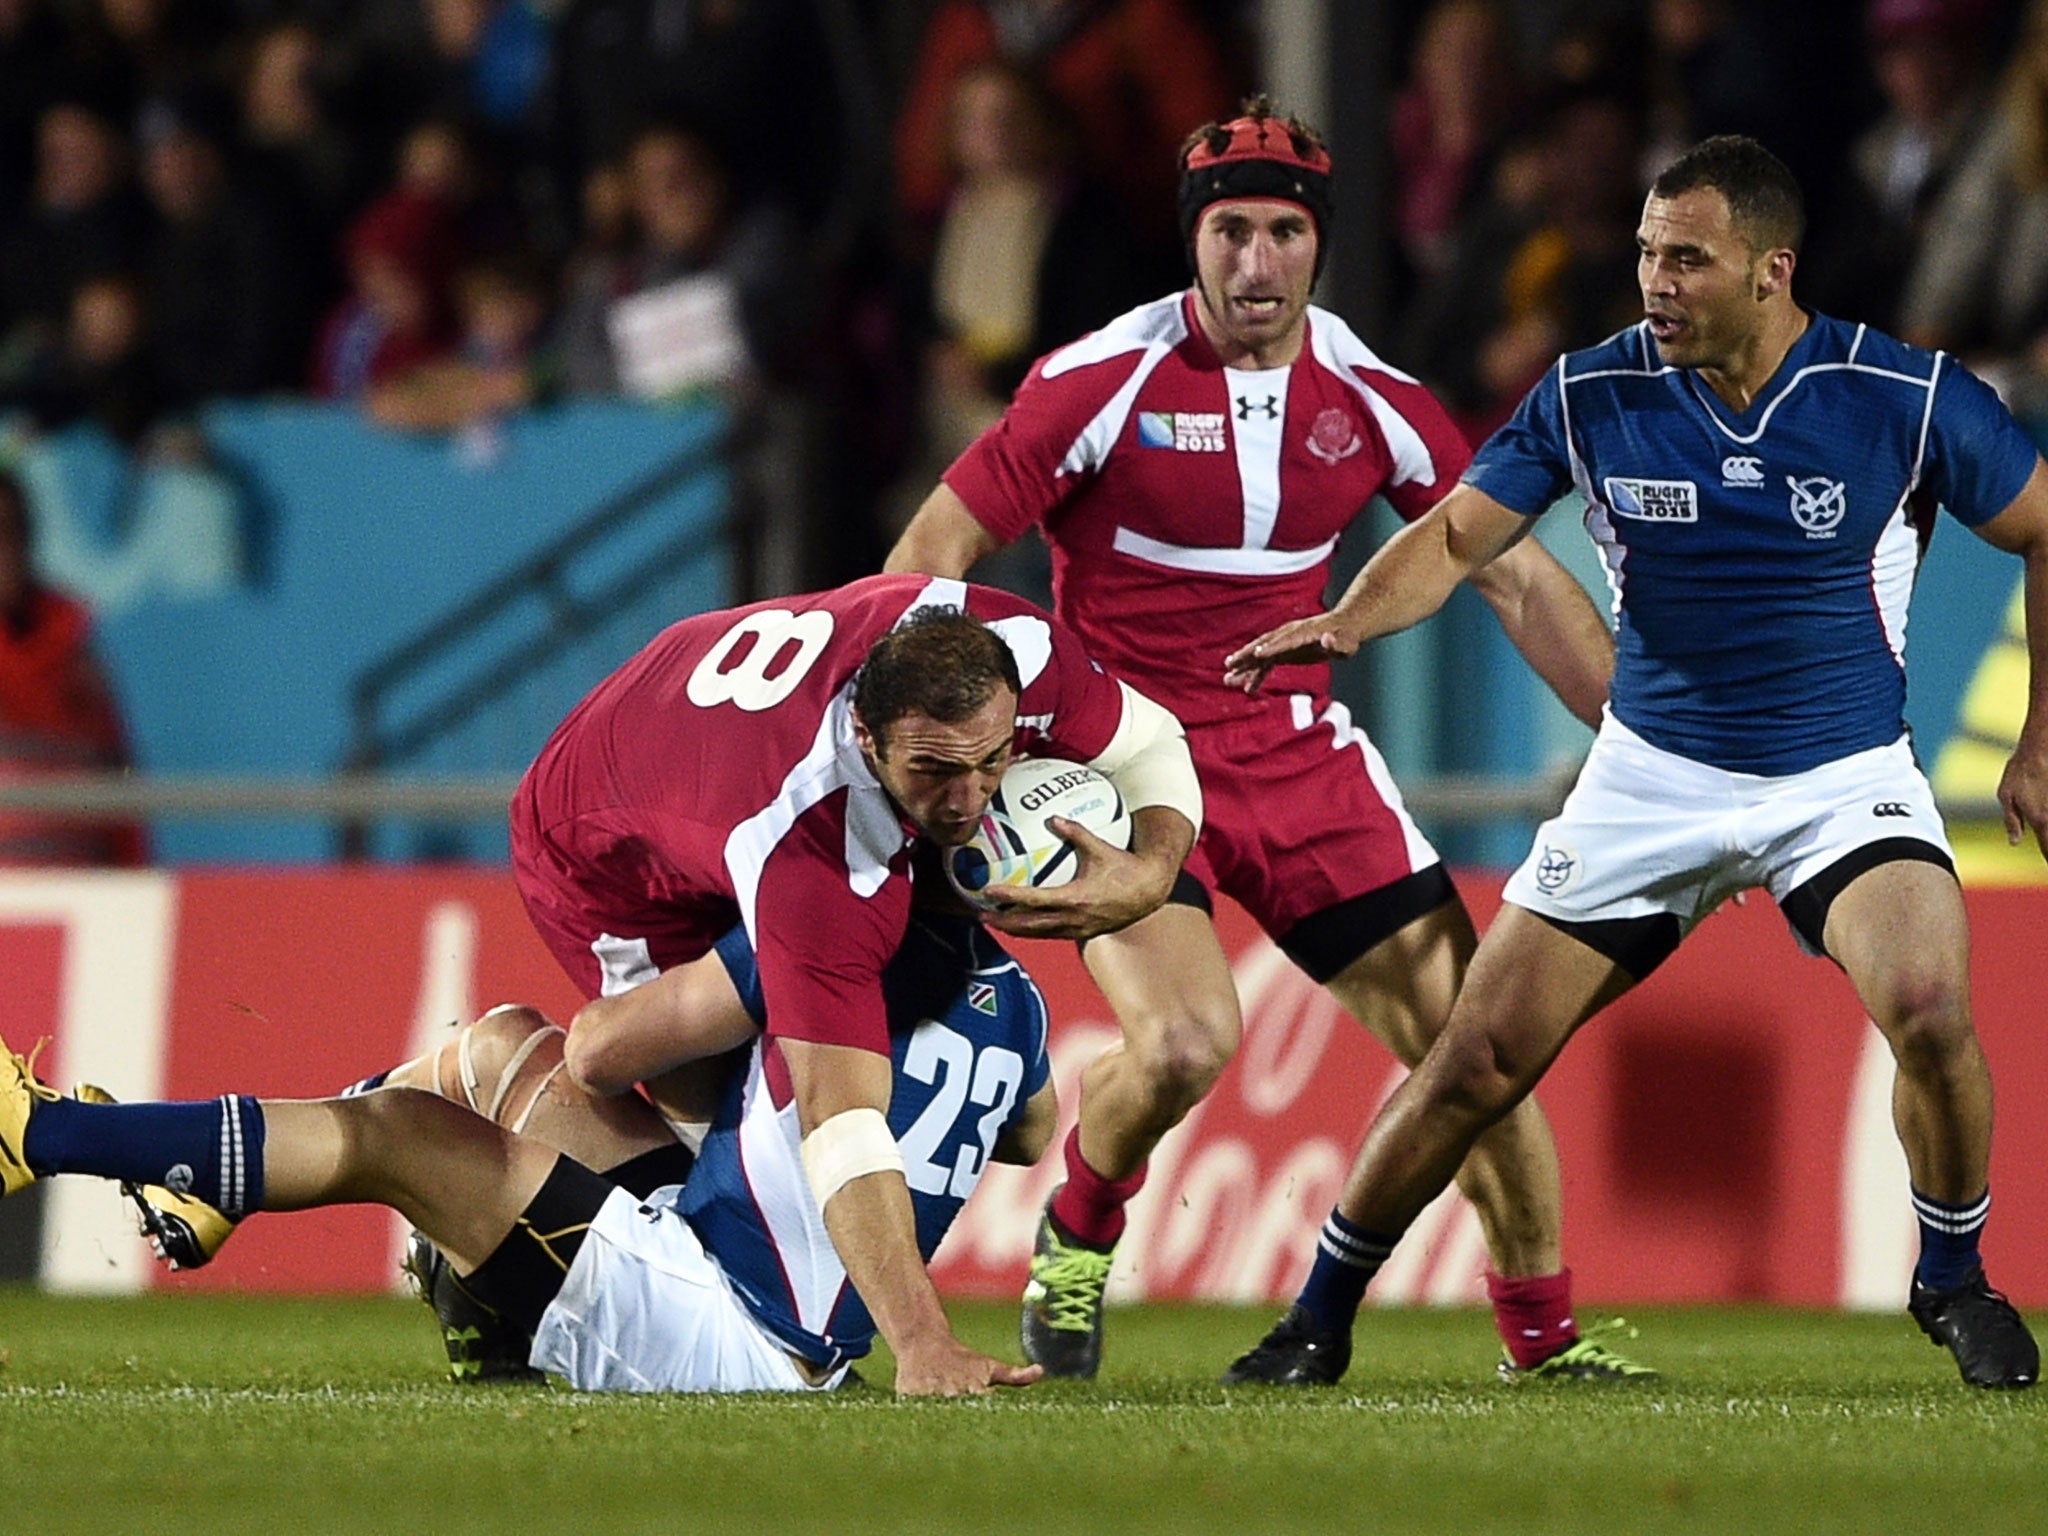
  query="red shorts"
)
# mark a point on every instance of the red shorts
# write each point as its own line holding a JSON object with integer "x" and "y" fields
{"x": 1299, "y": 812}
{"x": 609, "y": 939}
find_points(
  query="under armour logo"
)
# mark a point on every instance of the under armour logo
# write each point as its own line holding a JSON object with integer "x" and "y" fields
{"x": 1890, "y": 808}
{"x": 1246, "y": 405}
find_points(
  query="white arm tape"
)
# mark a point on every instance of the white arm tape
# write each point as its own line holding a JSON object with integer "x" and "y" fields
{"x": 852, "y": 1143}
{"x": 1148, "y": 759}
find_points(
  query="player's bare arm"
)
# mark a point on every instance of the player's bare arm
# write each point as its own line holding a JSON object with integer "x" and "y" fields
{"x": 1112, "y": 889}
{"x": 685, "y": 1014}
{"x": 868, "y": 1213}
{"x": 943, "y": 539}
{"x": 1031, "y": 1133}
{"x": 1406, "y": 581}
{"x": 1553, "y": 624}
{"x": 2022, "y": 529}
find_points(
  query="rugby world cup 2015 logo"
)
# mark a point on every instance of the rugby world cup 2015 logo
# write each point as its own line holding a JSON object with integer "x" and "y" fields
{"x": 1818, "y": 504}
{"x": 1653, "y": 501}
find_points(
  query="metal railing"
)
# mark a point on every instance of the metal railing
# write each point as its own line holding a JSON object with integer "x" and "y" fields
{"x": 567, "y": 614}
{"x": 1453, "y": 799}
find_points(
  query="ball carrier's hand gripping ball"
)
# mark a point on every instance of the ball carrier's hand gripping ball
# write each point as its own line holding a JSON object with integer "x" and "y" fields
{"x": 1013, "y": 843}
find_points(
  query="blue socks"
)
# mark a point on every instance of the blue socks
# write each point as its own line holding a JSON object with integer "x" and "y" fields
{"x": 1347, "y": 1257}
{"x": 1948, "y": 1239}
{"x": 212, "y": 1150}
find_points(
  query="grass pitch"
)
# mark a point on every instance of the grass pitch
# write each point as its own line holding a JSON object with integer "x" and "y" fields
{"x": 203, "y": 1414}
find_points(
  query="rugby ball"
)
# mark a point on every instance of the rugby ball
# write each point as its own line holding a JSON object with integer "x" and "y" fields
{"x": 1013, "y": 845}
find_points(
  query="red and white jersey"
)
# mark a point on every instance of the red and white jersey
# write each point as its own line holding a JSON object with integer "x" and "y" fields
{"x": 715, "y": 777}
{"x": 1191, "y": 506}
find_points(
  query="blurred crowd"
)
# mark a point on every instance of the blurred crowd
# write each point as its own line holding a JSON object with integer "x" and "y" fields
{"x": 857, "y": 222}
{"x": 868, "y": 216}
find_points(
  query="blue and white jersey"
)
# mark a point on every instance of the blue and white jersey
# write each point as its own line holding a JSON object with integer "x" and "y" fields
{"x": 967, "y": 1030}
{"x": 1761, "y": 560}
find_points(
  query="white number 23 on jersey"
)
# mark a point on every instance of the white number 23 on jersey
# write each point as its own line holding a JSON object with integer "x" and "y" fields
{"x": 959, "y": 1075}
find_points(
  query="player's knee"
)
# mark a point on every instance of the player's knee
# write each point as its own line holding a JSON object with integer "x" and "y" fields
{"x": 1471, "y": 1071}
{"x": 499, "y": 1064}
{"x": 1927, "y": 1021}
{"x": 1183, "y": 1056}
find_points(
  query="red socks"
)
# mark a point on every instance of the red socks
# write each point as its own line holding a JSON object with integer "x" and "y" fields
{"x": 1534, "y": 1315}
{"x": 1088, "y": 1206}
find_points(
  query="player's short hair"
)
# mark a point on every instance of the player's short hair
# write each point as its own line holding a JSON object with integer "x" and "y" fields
{"x": 941, "y": 662}
{"x": 1764, "y": 200}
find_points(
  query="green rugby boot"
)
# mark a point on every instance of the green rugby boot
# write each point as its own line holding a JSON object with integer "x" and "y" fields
{"x": 1586, "y": 1358}
{"x": 482, "y": 1344}
{"x": 1061, "y": 1327}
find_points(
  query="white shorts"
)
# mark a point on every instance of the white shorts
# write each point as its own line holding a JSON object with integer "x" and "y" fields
{"x": 645, "y": 1309}
{"x": 1645, "y": 831}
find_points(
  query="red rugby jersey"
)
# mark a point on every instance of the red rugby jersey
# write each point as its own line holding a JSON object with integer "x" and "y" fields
{"x": 1190, "y": 506}
{"x": 715, "y": 776}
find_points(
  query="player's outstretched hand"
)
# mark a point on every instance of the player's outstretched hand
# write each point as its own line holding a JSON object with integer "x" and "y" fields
{"x": 1112, "y": 889}
{"x": 2023, "y": 793}
{"x": 948, "y": 1368}
{"x": 1322, "y": 638}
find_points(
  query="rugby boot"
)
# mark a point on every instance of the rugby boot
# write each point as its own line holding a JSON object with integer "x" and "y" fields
{"x": 1061, "y": 1327}
{"x": 185, "y": 1233}
{"x": 20, "y": 1092}
{"x": 482, "y": 1344}
{"x": 1981, "y": 1329}
{"x": 1296, "y": 1353}
{"x": 1586, "y": 1358}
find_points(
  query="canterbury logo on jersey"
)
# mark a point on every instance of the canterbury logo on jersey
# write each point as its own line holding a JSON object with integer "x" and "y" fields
{"x": 1742, "y": 471}
{"x": 1890, "y": 808}
{"x": 1654, "y": 501}
{"x": 1182, "y": 431}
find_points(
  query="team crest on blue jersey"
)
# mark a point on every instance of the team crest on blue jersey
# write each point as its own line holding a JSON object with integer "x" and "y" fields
{"x": 1182, "y": 431}
{"x": 1818, "y": 504}
{"x": 981, "y": 997}
{"x": 1654, "y": 501}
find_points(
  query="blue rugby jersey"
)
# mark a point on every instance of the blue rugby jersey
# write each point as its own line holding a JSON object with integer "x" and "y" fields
{"x": 1761, "y": 561}
{"x": 967, "y": 1029}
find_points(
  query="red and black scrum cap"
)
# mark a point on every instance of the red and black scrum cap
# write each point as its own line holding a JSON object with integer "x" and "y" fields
{"x": 1258, "y": 159}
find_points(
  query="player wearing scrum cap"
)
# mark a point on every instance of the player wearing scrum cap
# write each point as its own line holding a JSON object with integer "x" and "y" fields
{"x": 1192, "y": 465}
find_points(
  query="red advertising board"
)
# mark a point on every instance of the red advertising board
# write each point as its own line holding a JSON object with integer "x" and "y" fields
{"x": 1725, "y": 1131}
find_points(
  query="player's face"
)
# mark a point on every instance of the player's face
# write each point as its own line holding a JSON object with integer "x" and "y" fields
{"x": 1701, "y": 282}
{"x": 942, "y": 774}
{"x": 1255, "y": 261}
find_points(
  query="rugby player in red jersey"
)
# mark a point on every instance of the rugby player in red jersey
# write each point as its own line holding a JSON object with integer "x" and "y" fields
{"x": 775, "y": 766}
{"x": 1192, "y": 465}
